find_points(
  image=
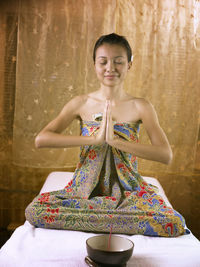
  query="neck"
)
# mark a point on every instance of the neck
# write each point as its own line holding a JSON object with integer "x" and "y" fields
{"x": 111, "y": 93}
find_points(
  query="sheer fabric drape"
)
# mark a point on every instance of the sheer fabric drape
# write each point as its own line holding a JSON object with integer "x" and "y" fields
{"x": 54, "y": 63}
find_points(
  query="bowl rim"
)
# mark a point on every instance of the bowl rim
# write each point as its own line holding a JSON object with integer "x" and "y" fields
{"x": 103, "y": 250}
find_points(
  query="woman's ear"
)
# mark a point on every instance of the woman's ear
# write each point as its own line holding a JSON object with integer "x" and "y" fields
{"x": 129, "y": 65}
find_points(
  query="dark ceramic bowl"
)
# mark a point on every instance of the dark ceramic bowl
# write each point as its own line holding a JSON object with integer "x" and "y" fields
{"x": 120, "y": 251}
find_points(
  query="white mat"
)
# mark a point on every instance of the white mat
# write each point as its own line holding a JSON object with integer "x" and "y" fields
{"x": 36, "y": 247}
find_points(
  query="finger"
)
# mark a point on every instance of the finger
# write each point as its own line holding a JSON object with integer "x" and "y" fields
{"x": 108, "y": 109}
{"x": 109, "y": 125}
{"x": 102, "y": 129}
{"x": 104, "y": 117}
{"x": 108, "y": 116}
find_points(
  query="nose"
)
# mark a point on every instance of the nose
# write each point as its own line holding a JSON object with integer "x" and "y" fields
{"x": 110, "y": 66}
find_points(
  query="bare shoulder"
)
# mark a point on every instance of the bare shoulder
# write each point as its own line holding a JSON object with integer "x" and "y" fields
{"x": 142, "y": 102}
{"x": 78, "y": 100}
{"x": 139, "y": 101}
{"x": 145, "y": 109}
{"x": 74, "y": 105}
{"x": 143, "y": 105}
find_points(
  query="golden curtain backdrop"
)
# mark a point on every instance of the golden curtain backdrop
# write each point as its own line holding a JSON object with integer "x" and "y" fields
{"x": 54, "y": 63}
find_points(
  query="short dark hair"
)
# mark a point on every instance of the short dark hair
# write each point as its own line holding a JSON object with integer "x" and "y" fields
{"x": 113, "y": 38}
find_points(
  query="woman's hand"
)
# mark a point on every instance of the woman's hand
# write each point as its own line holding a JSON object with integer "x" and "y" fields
{"x": 106, "y": 130}
{"x": 100, "y": 138}
{"x": 109, "y": 125}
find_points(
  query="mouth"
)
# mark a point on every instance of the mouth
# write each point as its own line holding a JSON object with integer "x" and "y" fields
{"x": 110, "y": 76}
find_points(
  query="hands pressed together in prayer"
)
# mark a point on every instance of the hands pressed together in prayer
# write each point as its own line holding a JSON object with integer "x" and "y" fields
{"x": 106, "y": 130}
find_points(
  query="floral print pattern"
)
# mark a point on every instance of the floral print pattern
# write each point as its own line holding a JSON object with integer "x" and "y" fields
{"x": 107, "y": 190}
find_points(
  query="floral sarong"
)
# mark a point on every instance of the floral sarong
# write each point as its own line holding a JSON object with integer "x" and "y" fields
{"x": 106, "y": 190}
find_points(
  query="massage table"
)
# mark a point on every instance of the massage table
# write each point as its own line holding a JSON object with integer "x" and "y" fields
{"x": 37, "y": 247}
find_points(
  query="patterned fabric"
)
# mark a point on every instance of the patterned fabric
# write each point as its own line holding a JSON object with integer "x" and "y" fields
{"x": 106, "y": 190}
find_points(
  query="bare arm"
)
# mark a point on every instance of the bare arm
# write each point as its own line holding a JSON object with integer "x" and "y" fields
{"x": 51, "y": 135}
{"x": 159, "y": 150}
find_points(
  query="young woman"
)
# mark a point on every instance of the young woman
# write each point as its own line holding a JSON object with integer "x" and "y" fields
{"x": 106, "y": 188}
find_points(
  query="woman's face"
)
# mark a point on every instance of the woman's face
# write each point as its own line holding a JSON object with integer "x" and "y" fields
{"x": 111, "y": 64}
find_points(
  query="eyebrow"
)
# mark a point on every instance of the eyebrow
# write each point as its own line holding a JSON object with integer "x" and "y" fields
{"x": 114, "y": 57}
